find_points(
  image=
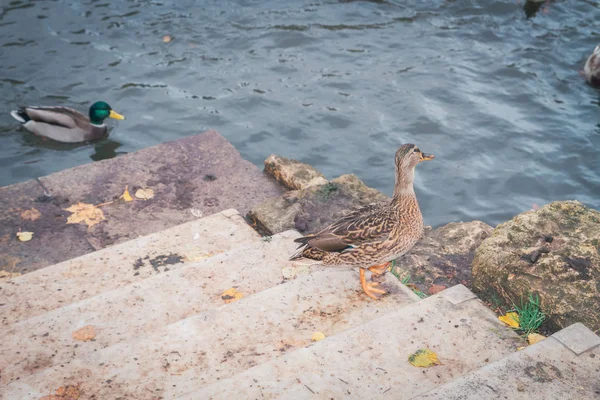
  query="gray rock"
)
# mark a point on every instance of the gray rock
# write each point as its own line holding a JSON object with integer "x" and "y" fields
{"x": 293, "y": 174}
{"x": 311, "y": 209}
{"x": 554, "y": 252}
{"x": 443, "y": 257}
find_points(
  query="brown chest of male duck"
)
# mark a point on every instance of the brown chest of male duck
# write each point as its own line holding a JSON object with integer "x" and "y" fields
{"x": 372, "y": 236}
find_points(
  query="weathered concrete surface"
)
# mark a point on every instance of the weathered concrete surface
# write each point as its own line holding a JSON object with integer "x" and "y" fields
{"x": 549, "y": 369}
{"x": 219, "y": 343}
{"x": 555, "y": 252}
{"x": 308, "y": 210}
{"x": 132, "y": 311}
{"x": 293, "y": 174}
{"x": 203, "y": 174}
{"x": 371, "y": 361}
{"x": 91, "y": 274}
{"x": 443, "y": 257}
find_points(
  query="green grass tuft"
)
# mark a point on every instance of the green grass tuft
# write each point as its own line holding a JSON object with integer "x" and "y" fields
{"x": 531, "y": 316}
{"x": 406, "y": 281}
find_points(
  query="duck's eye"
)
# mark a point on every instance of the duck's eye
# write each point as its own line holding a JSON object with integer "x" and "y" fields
{"x": 416, "y": 150}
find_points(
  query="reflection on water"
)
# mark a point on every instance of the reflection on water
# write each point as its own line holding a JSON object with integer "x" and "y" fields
{"x": 531, "y": 7}
{"x": 492, "y": 88}
{"x": 106, "y": 149}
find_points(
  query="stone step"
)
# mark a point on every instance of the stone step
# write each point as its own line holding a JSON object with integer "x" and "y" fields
{"x": 563, "y": 366}
{"x": 133, "y": 311}
{"x": 197, "y": 175}
{"x": 94, "y": 273}
{"x": 218, "y": 343}
{"x": 371, "y": 361}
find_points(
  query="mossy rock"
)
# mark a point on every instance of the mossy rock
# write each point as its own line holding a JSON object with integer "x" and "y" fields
{"x": 554, "y": 252}
{"x": 311, "y": 209}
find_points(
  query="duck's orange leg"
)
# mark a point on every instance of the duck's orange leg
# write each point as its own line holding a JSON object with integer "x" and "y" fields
{"x": 380, "y": 269}
{"x": 369, "y": 288}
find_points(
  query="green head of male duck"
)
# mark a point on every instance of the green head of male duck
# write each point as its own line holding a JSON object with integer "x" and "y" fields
{"x": 100, "y": 110}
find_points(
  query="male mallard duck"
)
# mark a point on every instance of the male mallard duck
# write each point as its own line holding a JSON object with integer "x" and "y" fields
{"x": 65, "y": 124}
{"x": 372, "y": 236}
{"x": 591, "y": 69}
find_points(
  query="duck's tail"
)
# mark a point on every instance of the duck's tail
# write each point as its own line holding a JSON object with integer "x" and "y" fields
{"x": 303, "y": 246}
{"x": 20, "y": 115}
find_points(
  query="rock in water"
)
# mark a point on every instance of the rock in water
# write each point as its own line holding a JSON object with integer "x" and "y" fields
{"x": 555, "y": 252}
{"x": 313, "y": 208}
{"x": 293, "y": 174}
{"x": 443, "y": 257}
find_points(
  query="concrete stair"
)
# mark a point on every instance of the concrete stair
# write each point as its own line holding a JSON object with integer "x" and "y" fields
{"x": 89, "y": 275}
{"x": 220, "y": 342}
{"x": 128, "y": 312}
{"x": 563, "y": 366}
{"x": 370, "y": 361}
{"x": 175, "y": 334}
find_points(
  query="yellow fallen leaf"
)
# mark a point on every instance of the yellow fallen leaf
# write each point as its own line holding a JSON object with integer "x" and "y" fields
{"x": 126, "y": 196}
{"x": 317, "y": 336}
{"x": 424, "y": 358}
{"x": 86, "y": 213}
{"x": 84, "y": 334}
{"x": 144, "y": 194}
{"x": 533, "y": 338}
{"x": 511, "y": 319}
{"x": 31, "y": 214}
{"x": 6, "y": 275}
{"x": 24, "y": 236}
{"x": 196, "y": 255}
{"x": 231, "y": 295}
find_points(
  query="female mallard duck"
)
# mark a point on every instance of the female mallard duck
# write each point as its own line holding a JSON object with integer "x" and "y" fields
{"x": 65, "y": 124}
{"x": 591, "y": 69}
{"x": 372, "y": 236}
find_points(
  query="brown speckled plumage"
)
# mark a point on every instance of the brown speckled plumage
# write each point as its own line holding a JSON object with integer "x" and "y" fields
{"x": 374, "y": 234}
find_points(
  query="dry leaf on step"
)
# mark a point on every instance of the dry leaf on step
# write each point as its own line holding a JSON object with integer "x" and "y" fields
{"x": 87, "y": 213}
{"x": 32, "y": 214}
{"x": 144, "y": 194}
{"x": 533, "y": 338}
{"x": 84, "y": 334}
{"x": 6, "y": 275}
{"x": 436, "y": 289}
{"x": 424, "y": 358}
{"x": 317, "y": 336}
{"x": 231, "y": 295}
{"x": 126, "y": 196}
{"x": 511, "y": 319}
{"x": 24, "y": 236}
{"x": 69, "y": 392}
{"x": 194, "y": 255}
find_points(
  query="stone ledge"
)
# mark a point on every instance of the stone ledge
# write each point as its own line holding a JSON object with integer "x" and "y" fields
{"x": 191, "y": 177}
{"x": 578, "y": 338}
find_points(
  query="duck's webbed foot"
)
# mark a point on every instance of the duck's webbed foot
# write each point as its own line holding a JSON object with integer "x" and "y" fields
{"x": 370, "y": 288}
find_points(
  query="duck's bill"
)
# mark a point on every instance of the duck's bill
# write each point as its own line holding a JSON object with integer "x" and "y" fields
{"x": 427, "y": 157}
{"x": 115, "y": 115}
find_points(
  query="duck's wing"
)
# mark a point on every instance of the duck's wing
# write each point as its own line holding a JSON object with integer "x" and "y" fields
{"x": 367, "y": 224}
{"x": 60, "y": 116}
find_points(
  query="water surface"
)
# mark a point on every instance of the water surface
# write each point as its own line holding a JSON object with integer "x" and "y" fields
{"x": 492, "y": 88}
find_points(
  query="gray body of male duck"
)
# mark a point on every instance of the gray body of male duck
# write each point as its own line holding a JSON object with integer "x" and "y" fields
{"x": 374, "y": 235}
{"x": 65, "y": 124}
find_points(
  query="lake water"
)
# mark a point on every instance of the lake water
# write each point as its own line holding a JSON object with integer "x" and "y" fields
{"x": 491, "y": 88}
